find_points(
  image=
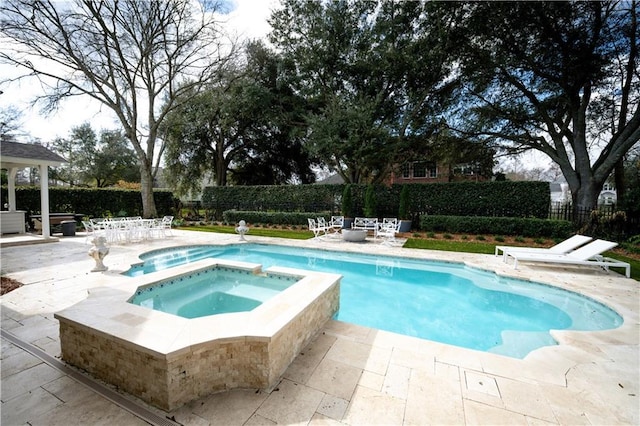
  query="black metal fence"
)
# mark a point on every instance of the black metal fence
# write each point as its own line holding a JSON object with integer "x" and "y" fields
{"x": 605, "y": 221}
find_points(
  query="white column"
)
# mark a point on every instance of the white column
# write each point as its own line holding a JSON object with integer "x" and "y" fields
{"x": 44, "y": 200}
{"x": 11, "y": 188}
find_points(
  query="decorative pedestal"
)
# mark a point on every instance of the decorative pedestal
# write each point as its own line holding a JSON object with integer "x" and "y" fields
{"x": 98, "y": 252}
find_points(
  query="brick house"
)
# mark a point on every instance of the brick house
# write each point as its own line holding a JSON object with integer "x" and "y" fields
{"x": 432, "y": 172}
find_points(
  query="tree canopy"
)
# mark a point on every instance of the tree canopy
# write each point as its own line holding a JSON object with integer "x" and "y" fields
{"x": 377, "y": 77}
{"x": 558, "y": 77}
{"x": 244, "y": 127}
{"x": 95, "y": 161}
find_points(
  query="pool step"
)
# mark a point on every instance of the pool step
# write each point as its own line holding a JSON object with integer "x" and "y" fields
{"x": 254, "y": 292}
{"x": 519, "y": 343}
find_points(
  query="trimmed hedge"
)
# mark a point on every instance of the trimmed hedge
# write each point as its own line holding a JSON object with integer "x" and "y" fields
{"x": 281, "y": 198}
{"x": 499, "y": 199}
{"x": 495, "y": 199}
{"x": 274, "y": 218}
{"x": 526, "y": 227}
{"x": 92, "y": 202}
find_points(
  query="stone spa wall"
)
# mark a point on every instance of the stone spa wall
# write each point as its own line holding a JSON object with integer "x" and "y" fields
{"x": 168, "y": 361}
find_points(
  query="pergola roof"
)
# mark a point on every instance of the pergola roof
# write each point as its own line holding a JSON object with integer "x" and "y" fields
{"x": 15, "y": 154}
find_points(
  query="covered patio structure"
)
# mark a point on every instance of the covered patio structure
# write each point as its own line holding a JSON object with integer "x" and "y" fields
{"x": 13, "y": 157}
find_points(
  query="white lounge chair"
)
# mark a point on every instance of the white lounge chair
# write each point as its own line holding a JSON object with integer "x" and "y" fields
{"x": 588, "y": 255}
{"x": 561, "y": 248}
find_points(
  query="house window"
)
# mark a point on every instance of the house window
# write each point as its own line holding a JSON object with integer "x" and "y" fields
{"x": 419, "y": 169}
{"x": 432, "y": 169}
{"x": 406, "y": 170}
{"x": 465, "y": 169}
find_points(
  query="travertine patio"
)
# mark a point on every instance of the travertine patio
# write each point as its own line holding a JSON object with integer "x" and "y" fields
{"x": 347, "y": 375}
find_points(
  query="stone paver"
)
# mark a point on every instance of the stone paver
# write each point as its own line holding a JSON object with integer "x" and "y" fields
{"x": 348, "y": 375}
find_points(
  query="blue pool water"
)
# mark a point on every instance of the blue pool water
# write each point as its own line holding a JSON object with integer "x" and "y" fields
{"x": 212, "y": 291}
{"x": 445, "y": 302}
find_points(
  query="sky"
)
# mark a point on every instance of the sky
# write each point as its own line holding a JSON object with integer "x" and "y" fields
{"x": 247, "y": 18}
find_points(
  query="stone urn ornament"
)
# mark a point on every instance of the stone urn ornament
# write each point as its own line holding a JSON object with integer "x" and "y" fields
{"x": 242, "y": 229}
{"x": 98, "y": 252}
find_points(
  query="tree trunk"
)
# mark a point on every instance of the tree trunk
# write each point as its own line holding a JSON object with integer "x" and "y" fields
{"x": 146, "y": 190}
{"x": 620, "y": 181}
{"x": 585, "y": 199}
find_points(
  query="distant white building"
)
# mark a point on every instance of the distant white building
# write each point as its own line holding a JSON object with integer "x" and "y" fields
{"x": 560, "y": 194}
{"x": 608, "y": 195}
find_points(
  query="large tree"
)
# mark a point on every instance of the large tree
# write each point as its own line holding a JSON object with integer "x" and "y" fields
{"x": 95, "y": 161}
{"x": 79, "y": 149}
{"x": 377, "y": 75}
{"x": 558, "y": 77}
{"x": 130, "y": 55}
{"x": 246, "y": 123}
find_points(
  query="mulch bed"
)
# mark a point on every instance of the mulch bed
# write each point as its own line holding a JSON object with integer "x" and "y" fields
{"x": 9, "y": 284}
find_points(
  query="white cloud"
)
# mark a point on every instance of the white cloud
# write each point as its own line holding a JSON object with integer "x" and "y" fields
{"x": 247, "y": 19}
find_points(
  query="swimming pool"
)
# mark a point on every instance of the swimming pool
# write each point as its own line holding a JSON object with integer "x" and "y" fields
{"x": 444, "y": 302}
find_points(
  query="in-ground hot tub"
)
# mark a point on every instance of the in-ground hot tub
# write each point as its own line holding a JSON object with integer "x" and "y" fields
{"x": 167, "y": 360}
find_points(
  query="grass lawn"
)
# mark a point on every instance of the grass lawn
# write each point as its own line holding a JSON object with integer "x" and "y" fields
{"x": 430, "y": 241}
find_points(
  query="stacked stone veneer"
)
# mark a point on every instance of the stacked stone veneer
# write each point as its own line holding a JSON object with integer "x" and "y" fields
{"x": 169, "y": 380}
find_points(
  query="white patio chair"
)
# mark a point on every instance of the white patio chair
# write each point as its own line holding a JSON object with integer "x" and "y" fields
{"x": 166, "y": 223}
{"x": 387, "y": 230}
{"x": 387, "y": 224}
{"x": 89, "y": 229}
{"x": 336, "y": 223}
{"x": 316, "y": 228}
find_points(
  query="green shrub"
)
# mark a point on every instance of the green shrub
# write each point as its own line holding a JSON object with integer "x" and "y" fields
{"x": 347, "y": 202}
{"x": 403, "y": 208}
{"x": 258, "y": 218}
{"x": 94, "y": 202}
{"x": 370, "y": 209}
{"x": 529, "y": 227}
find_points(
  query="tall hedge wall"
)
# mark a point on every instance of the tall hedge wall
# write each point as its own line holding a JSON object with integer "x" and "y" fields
{"x": 92, "y": 202}
{"x": 285, "y": 198}
{"x": 502, "y": 199}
